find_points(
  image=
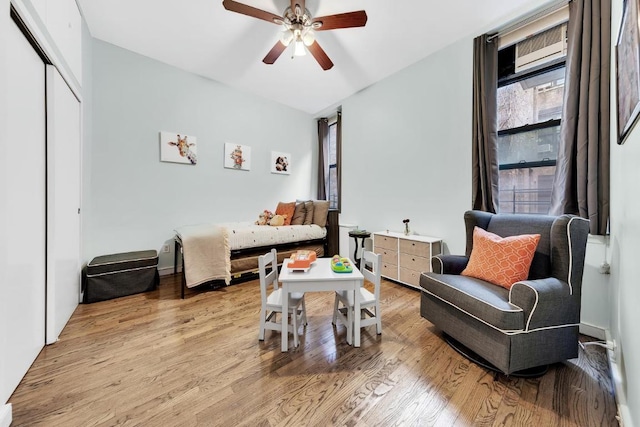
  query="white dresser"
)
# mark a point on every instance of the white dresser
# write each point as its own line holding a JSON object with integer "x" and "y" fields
{"x": 405, "y": 257}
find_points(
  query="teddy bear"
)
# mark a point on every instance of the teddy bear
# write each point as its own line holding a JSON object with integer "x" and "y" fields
{"x": 277, "y": 220}
{"x": 264, "y": 218}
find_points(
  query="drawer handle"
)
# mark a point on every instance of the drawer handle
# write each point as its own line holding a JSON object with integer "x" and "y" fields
{"x": 413, "y": 259}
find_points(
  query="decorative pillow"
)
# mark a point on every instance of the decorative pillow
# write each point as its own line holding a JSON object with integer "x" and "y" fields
{"x": 308, "y": 217}
{"x": 501, "y": 260}
{"x": 320, "y": 211}
{"x": 299, "y": 214}
{"x": 286, "y": 210}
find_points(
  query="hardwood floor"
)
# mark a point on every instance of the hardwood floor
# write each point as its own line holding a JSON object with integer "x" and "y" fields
{"x": 153, "y": 359}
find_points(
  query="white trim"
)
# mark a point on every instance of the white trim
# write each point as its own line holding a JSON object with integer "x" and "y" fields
{"x": 592, "y": 331}
{"x": 121, "y": 271}
{"x": 624, "y": 415}
{"x": 168, "y": 271}
{"x": 5, "y": 415}
{"x": 441, "y": 263}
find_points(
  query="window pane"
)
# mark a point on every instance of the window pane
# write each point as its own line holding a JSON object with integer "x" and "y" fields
{"x": 526, "y": 190}
{"x": 333, "y": 129}
{"x": 533, "y": 100}
{"x": 333, "y": 188}
{"x": 532, "y": 146}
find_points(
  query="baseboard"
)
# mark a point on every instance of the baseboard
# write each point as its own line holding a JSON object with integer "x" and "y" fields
{"x": 593, "y": 331}
{"x": 624, "y": 416}
{"x": 5, "y": 415}
{"x": 166, "y": 271}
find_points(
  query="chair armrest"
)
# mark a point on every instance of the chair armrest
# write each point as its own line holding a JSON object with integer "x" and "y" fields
{"x": 449, "y": 264}
{"x": 545, "y": 302}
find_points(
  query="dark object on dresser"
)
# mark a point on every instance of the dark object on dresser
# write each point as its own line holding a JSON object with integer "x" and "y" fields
{"x": 117, "y": 275}
{"x": 536, "y": 322}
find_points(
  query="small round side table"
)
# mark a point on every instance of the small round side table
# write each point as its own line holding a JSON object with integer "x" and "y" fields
{"x": 362, "y": 234}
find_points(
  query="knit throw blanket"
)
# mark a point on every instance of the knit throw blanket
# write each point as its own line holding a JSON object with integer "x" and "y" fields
{"x": 206, "y": 253}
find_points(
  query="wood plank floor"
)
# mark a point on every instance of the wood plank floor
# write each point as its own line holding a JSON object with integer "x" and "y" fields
{"x": 153, "y": 359}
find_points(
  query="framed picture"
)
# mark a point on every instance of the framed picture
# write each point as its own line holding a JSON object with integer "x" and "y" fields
{"x": 280, "y": 163}
{"x": 178, "y": 148}
{"x": 628, "y": 70}
{"x": 237, "y": 156}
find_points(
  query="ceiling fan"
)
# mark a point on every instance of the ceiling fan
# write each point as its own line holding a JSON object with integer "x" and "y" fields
{"x": 299, "y": 27}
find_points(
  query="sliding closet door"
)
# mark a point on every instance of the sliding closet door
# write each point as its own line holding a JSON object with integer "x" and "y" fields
{"x": 63, "y": 203}
{"x": 25, "y": 225}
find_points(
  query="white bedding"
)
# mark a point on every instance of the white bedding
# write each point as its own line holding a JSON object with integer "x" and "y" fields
{"x": 244, "y": 235}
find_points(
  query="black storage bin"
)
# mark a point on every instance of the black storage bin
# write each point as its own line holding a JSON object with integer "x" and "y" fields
{"x": 117, "y": 275}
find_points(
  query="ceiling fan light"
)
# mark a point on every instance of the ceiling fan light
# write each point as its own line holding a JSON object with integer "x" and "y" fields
{"x": 308, "y": 38}
{"x": 286, "y": 37}
{"x": 299, "y": 49}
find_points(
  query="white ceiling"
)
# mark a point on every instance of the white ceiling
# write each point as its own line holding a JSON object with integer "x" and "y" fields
{"x": 201, "y": 37}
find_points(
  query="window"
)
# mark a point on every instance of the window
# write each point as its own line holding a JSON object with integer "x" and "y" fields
{"x": 333, "y": 187}
{"x": 529, "y": 115}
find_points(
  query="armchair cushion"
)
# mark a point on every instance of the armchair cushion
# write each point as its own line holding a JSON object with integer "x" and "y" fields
{"x": 546, "y": 303}
{"x": 449, "y": 264}
{"x": 482, "y": 300}
{"x": 501, "y": 260}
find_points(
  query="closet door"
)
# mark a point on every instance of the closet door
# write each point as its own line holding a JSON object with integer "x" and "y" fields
{"x": 63, "y": 203}
{"x": 24, "y": 227}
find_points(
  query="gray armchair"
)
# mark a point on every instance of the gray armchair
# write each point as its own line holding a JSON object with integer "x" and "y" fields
{"x": 533, "y": 324}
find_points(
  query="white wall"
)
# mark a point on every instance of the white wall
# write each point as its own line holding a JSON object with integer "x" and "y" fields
{"x": 135, "y": 200}
{"x": 5, "y": 410}
{"x": 625, "y": 247}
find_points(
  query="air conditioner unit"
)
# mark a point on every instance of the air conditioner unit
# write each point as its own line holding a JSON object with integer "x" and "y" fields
{"x": 542, "y": 47}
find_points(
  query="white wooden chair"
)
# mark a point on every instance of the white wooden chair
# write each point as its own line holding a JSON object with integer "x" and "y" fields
{"x": 369, "y": 302}
{"x": 272, "y": 302}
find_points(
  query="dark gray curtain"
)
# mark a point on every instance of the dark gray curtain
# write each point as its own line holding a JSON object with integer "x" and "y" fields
{"x": 339, "y": 158}
{"x": 581, "y": 184}
{"x": 485, "y": 125}
{"x": 323, "y": 141}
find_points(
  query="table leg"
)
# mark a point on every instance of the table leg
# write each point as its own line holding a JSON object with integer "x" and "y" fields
{"x": 357, "y": 314}
{"x": 284, "y": 333}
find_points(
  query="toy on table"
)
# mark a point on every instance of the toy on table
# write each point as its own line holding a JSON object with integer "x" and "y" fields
{"x": 341, "y": 265}
{"x": 301, "y": 260}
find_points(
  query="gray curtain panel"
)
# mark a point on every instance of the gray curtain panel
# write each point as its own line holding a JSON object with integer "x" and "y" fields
{"x": 323, "y": 139}
{"x": 485, "y": 125}
{"x": 581, "y": 184}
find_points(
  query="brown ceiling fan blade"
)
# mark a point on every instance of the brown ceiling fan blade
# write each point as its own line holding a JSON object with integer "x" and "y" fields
{"x": 342, "y": 20}
{"x": 274, "y": 53}
{"x": 320, "y": 56}
{"x": 244, "y": 9}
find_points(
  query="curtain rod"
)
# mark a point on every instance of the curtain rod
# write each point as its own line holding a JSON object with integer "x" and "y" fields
{"x": 534, "y": 16}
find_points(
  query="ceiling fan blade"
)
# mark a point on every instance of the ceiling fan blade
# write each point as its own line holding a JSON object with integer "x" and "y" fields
{"x": 274, "y": 53}
{"x": 341, "y": 20}
{"x": 244, "y": 9}
{"x": 320, "y": 56}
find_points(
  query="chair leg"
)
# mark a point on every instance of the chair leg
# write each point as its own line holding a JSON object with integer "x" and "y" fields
{"x": 350, "y": 321}
{"x": 263, "y": 315}
{"x": 378, "y": 319}
{"x": 335, "y": 310}
{"x": 294, "y": 320}
{"x": 304, "y": 313}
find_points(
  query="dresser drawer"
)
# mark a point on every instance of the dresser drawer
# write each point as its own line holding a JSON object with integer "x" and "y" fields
{"x": 387, "y": 242}
{"x": 413, "y": 262}
{"x": 415, "y": 248}
{"x": 388, "y": 256}
{"x": 389, "y": 270}
{"x": 409, "y": 276}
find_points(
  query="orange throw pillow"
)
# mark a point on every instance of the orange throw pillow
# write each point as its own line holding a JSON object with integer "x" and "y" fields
{"x": 286, "y": 210}
{"x": 501, "y": 260}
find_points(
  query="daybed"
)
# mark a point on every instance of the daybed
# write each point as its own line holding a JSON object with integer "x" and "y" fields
{"x": 226, "y": 253}
{"x": 532, "y": 324}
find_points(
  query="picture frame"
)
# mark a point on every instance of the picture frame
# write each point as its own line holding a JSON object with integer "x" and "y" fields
{"x": 628, "y": 70}
{"x": 280, "y": 163}
{"x": 237, "y": 156}
{"x": 178, "y": 148}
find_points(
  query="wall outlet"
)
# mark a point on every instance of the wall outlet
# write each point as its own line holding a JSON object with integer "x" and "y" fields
{"x": 605, "y": 268}
{"x": 166, "y": 248}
